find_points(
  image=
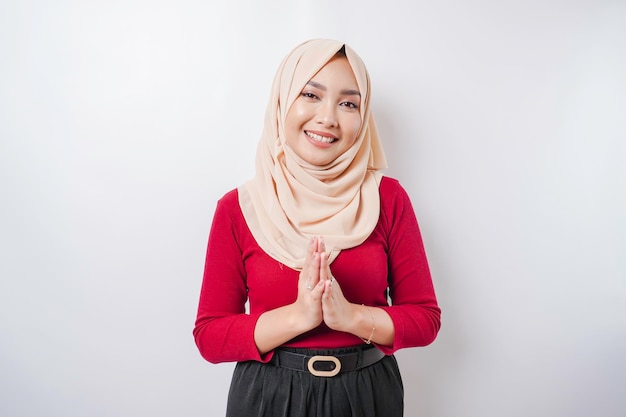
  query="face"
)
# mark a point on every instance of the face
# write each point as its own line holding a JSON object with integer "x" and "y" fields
{"x": 324, "y": 121}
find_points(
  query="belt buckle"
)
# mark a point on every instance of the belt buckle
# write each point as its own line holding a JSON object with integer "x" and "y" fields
{"x": 320, "y": 358}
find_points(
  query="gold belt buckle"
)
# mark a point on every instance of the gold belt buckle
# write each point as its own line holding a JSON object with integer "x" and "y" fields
{"x": 320, "y": 358}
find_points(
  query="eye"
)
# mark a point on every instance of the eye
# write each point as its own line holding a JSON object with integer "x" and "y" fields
{"x": 350, "y": 105}
{"x": 309, "y": 95}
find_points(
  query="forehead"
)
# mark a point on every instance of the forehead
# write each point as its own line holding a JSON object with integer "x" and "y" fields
{"x": 337, "y": 71}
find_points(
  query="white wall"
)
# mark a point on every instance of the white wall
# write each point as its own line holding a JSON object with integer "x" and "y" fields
{"x": 122, "y": 123}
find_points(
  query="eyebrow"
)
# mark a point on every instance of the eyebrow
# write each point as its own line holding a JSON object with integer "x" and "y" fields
{"x": 348, "y": 92}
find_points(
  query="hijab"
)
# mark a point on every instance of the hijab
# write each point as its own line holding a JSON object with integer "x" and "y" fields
{"x": 289, "y": 200}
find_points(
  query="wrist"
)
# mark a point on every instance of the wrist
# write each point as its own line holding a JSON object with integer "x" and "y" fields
{"x": 353, "y": 319}
{"x": 298, "y": 320}
{"x": 369, "y": 315}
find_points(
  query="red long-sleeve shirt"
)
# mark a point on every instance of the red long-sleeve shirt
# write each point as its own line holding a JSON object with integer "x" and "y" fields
{"x": 391, "y": 260}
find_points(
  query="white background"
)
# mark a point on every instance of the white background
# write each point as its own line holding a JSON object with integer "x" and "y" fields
{"x": 123, "y": 122}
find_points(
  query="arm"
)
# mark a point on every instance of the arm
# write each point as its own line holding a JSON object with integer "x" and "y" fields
{"x": 223, "y": 331}
{"x": 414, "y": 317}
{"x": 371, "y": 324}
{"x": 275, "y": 327}
{"x": 414, "y": 311}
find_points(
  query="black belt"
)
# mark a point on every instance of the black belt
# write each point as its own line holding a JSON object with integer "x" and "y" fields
{"x": 327, "y": 365}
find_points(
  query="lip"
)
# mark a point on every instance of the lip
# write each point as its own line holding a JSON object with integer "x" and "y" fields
{"x": 320, "y": 133}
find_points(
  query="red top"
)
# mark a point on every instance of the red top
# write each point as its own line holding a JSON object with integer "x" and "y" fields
{"x": 390, "y": 261}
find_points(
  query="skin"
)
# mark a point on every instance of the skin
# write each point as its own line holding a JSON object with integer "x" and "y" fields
{"x": 324, "y": 302}
{"x": 328, "y": 106}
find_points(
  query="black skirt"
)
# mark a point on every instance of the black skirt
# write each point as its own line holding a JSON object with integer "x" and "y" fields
{"x": 266, "y": 390}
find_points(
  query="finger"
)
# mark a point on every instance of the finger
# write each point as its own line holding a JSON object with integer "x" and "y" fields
{"x": 317, "y": 292}
{"x": 310, "y": 250}
{"x": 331, "y": 290}
{"x": 309, "y": 267}
{"x": 328, "y": 291}
{"x": 315, "y": 269}
{"x": 325, "y": 273}
{"x": 312, "y": 273}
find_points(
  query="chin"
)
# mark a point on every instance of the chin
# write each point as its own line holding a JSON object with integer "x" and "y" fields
{"x": 318, "y": 161}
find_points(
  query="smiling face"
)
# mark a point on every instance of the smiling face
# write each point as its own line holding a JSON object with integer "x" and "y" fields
{"x": 325, "y": 120}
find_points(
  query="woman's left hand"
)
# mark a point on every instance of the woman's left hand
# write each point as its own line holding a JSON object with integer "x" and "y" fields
{"x": 338, "y": 312}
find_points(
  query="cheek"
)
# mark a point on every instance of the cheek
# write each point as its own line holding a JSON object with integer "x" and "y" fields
{"x": 289, "y": 120}
{"x": 290, "y": 124}
{"x": 296, "y": 115}
{"x": 355, "y": 128}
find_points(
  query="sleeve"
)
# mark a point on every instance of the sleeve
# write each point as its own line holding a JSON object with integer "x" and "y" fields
{"x": 414, "y": 310}
{"x": 223, "y": 331}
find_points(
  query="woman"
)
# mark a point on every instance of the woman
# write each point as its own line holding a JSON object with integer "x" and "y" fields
{"x": 316, "y": 243}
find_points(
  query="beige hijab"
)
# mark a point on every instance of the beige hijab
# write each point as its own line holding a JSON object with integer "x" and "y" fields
{"x": 289, "y": 200}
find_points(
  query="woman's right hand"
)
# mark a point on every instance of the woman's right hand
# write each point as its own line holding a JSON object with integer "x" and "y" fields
{"x": 275, "y": 327}
{"x": 308, "y": 304}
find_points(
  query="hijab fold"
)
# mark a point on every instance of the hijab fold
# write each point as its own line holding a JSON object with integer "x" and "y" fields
{"x": 289, "y": 200}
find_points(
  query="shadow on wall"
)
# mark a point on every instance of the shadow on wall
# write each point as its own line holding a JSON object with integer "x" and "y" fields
{"x": 427, "y": 372}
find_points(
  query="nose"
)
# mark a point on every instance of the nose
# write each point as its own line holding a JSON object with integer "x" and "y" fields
{"x": 327, "y": 115}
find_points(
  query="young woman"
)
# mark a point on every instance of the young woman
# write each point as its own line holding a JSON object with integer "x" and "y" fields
{"x": 318, "y": 243}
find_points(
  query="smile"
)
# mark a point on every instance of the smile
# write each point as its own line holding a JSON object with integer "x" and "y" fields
{"x": 320, "y": 138}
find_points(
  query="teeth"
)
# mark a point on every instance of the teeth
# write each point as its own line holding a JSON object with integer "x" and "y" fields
{"x": 320, "y": 138}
